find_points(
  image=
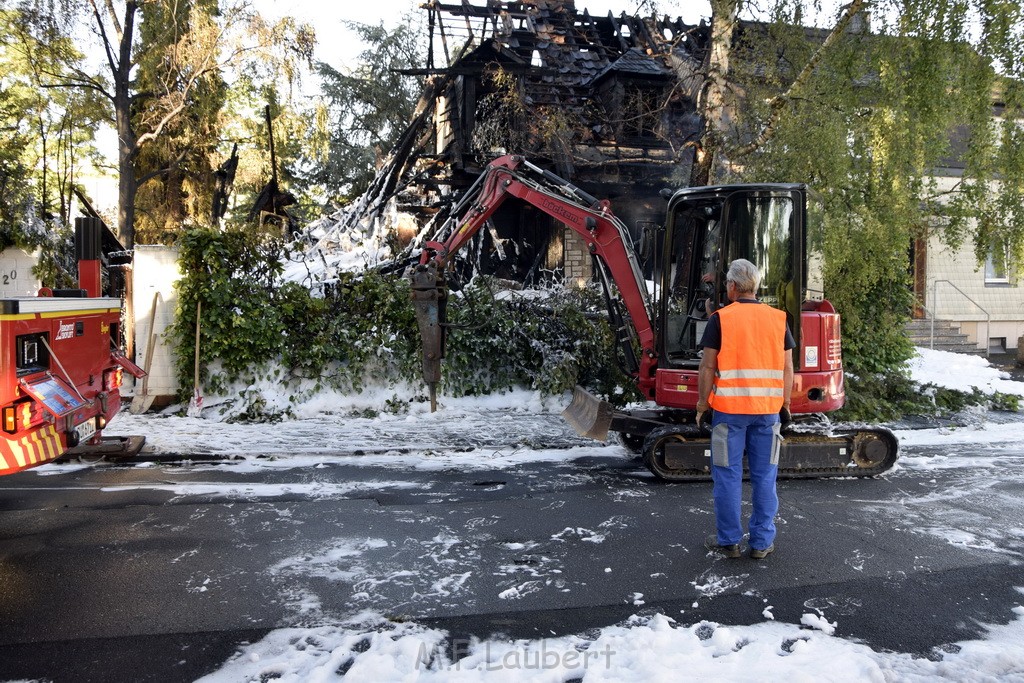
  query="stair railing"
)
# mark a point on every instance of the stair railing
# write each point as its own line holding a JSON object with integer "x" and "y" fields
{"x": 931, "y": 320}
{"x": 935, "y": 304}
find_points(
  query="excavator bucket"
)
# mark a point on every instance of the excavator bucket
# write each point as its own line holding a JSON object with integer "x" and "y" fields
{"x": 429, "y": 295}
{"x": 589, "y": 416}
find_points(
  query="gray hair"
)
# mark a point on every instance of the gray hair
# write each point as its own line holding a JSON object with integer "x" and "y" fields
{"x": 744, "y": 275}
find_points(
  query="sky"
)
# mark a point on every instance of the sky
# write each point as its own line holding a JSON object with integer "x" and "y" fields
{"x": 337, "y": 50}
{"x": 653, "y": 647}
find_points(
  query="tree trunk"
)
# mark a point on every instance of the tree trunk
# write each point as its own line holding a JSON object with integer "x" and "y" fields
{"x": 712, "y": 104}
{"x": 127, "y": 149}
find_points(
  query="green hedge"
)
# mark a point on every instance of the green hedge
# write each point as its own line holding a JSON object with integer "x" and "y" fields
{"x": 254, "y": 325}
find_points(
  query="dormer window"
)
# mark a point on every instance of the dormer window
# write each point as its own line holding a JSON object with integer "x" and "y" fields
{"x": 641, "y": 110}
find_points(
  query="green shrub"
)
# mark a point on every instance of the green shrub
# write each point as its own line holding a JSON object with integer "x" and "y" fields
{"x": 883, "y": 398}
{"x": 548, "y": 344}
{"x": 255, "y": 326}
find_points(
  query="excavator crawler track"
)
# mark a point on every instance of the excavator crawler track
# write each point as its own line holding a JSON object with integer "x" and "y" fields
{"x": 683, "y": 452}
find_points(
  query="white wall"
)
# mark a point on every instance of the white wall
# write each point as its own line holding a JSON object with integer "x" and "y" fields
{"x": 156, "y": 271}
{"x": 16, "y": 278}
{"x": 957, "y": 291}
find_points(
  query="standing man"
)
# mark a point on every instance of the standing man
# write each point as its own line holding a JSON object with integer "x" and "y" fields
{"x": 746, "y": 378}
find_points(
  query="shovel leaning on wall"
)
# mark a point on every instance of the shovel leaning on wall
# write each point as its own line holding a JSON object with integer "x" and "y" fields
{"x": 142, "y": 401}
{"x": 195, "y": 406}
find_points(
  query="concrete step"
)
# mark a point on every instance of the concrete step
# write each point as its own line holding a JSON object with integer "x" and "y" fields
{"x": 947, "y": 337}
{"x": 924, "y": 325}
{"x": 969, "y": 349}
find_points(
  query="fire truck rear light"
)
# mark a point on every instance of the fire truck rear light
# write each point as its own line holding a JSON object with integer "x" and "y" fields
{"x": 101, "y": 421}
{"x": 17, "y": 417}
{"x": 112, "y": 379}
{"x": 25, "y": 415}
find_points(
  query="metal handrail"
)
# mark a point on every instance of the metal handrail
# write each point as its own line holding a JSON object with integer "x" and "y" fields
{"x": 935, "y": 304}
{"x": 931, "y": 320}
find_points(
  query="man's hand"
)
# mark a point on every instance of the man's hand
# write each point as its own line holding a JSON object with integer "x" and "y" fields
{"x": 785, "y": 417}
{"x": 704, "y": 415}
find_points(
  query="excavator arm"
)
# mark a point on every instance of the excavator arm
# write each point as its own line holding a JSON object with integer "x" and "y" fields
{"x": 606, "y": 238}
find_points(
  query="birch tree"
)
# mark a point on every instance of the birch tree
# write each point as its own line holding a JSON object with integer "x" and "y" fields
{"x": 869, "y": 109}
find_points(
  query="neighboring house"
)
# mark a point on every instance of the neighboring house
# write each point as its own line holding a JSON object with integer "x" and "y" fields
{"x": 985, "y": 301}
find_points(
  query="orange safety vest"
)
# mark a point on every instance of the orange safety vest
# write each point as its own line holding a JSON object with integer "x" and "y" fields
{"x": 751, "y": 363}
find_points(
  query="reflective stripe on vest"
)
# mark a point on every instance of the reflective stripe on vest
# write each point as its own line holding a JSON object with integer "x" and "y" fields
{"x": 751, "y": 363}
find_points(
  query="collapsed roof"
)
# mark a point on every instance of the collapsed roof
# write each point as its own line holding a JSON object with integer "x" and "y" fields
{"x": 607, "y": 101}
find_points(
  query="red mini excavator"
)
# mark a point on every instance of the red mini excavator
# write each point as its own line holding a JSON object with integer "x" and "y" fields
{"x": 705, "y": 229}
{"x": 60, "y": 368}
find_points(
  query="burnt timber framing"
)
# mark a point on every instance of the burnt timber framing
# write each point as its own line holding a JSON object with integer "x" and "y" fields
{"x": 607, "y": 102}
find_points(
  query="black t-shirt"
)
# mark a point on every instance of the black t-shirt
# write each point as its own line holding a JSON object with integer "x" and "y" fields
{"x": 712, "y": 337}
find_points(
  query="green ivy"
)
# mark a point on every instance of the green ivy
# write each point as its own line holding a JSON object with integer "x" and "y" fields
{"x": 363, "y": 327}
{"x": 255, "y": 325}
{"x": 229, "y": 283}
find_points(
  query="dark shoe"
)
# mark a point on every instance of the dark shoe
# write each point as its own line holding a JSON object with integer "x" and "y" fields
{"x": 756, "y": 554}
{"x": 726, "y": 550}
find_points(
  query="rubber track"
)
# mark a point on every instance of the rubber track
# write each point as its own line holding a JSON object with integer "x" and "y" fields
{"x": 841, "y": 470}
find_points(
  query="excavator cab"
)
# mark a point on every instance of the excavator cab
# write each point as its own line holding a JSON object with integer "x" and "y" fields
{"x": 709, "y": 227}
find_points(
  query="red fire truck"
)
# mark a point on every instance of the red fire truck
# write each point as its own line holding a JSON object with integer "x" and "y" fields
{"x": 61, "y": 367}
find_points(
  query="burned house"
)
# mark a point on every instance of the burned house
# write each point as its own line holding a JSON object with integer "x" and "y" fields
{"x": 605, "y": 102}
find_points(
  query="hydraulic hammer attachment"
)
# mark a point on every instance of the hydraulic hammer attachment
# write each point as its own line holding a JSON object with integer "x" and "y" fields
{"x": 429, "y": 299}
{"x": 588, "y": 415}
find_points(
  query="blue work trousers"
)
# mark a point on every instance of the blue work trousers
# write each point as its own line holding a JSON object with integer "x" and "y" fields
{"x": 759, "y": 437}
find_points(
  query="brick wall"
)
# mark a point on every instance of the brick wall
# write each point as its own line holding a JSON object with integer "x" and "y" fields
{"x": 578, "y": 267}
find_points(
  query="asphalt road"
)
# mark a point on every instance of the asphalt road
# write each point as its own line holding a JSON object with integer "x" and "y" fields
{"x": 113, "y": 573}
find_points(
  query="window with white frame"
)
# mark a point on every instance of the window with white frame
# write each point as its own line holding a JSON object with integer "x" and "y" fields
{"x": 997, "y": 264}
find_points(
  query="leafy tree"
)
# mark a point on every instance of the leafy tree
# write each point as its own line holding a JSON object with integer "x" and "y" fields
{"x": 267, "y": 70}
{"x": 15, "y": 193}
{"x": 197, "y": 41}
{"x": 367, "y": 110}
{"x": 293, "y": 121}
{"x": 174, "y": 170}
{"x": 52, "y": 130}
{"x": 161, "y": 79}
{"x": 163, "y": 64}
{"x": 866, "y": 117}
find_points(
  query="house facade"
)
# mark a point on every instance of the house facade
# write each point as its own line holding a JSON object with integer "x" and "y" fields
{"x": 985, "y": 300}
